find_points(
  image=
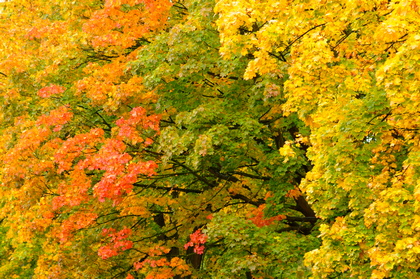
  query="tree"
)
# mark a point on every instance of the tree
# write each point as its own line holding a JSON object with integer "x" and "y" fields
{"x": 201, "y": 139}
{"x": 350, "y": 69}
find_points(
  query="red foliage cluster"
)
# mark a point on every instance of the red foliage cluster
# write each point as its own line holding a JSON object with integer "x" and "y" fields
{"x": 118, "y": 242}
{"x": 57, "y": 118}
{"x": 197, "y": 240}
{"x": 138, "y": 118}
{"x": 48, "y": 91}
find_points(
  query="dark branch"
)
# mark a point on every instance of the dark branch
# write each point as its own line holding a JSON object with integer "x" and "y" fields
{"x": 168, "y": 188}
{"x": 300, "y": 37}
{"x": 247, "y": 200}
{"x": 199, "y": 177}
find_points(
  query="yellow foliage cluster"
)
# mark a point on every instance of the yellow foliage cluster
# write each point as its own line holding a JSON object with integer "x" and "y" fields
{"x": 353, "y": 77}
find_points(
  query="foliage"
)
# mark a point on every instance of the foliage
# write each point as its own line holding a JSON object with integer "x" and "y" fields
{"x": 209, "y": 139}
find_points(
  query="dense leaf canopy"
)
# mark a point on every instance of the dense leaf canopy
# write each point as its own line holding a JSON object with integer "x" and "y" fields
{"x": 210, "y": 139}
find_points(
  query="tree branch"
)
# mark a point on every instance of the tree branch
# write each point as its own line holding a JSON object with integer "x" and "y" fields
{"x": 247, "y": 200}
{"x": 199, "y": 177}
{"x": 168, "y": 188}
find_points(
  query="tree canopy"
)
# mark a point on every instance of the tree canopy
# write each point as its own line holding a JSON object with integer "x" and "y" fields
{"x": 210, "y": 139}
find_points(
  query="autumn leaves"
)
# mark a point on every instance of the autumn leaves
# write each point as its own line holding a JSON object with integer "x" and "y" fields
{"x": 198, "y": 139}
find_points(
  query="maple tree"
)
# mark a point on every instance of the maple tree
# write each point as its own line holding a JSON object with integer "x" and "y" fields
{"x": 209, "y": 139}
{"x": 350, "y": 74}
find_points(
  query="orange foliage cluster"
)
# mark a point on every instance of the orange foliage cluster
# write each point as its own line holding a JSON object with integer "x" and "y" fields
{"x": 257, "y": 217}
{"x": 121, "y": 23}
{"x": 74, "y": 192}
{"x": 162, "y": 268}
{"x": 75, "y": 222}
